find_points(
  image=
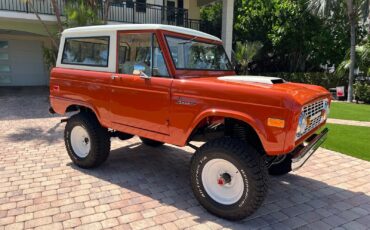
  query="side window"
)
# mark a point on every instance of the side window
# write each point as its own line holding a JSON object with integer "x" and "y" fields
{"x": 135, "y": 51}
{"x": 92, "y": 51}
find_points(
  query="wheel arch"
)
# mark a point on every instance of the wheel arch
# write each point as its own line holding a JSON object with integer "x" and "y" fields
{"x": 82, "y": 108}
{"x": 254, "y": 125}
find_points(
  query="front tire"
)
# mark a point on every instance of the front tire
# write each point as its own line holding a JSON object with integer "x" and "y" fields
{"x": 87, "y": 142}
{"x": 229, "y": 178}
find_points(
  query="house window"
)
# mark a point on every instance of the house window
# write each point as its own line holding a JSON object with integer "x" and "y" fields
{"x": 4, "y": 68}
{"x": 92, "y": 51}
{"x": 141, "y": 6}
{"x": 4, "y": 56}
{"x": 3, "y": 44}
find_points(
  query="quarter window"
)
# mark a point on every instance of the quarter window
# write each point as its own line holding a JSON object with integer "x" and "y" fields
{"x": 136, "y": 50}
{"x": 93, "y": 51}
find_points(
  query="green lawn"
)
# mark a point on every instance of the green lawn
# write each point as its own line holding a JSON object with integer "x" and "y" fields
{"x": 349, "y": 111}
{"x": 349, "y": 140}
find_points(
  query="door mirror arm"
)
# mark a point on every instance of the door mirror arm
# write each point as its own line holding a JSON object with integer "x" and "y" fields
{"x": 141, "y": 73}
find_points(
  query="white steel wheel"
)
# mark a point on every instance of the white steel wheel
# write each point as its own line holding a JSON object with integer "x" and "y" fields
{"x": 80, "y": 141}
{"x": 222, "y": 181}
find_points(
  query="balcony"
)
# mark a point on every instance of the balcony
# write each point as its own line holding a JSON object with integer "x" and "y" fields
{"x": 124, "y": 12}
{"x": 149, "y": 13}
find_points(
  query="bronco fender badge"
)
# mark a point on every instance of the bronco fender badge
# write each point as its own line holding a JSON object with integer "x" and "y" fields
{"x": 184, "y": 101}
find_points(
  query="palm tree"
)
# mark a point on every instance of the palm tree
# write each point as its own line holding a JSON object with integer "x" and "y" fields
{"x": 77, "y": 12}
{"x": 57, "y": 13}
{"x": 50, "y": 34}
{"x": 356, "y": 10}
{"x": 244, "y": 54}
{"x": 362, "y": 59}
{"x": 81, "y": 13}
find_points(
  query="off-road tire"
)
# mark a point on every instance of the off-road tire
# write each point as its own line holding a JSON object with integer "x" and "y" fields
{"x": 249, "y": 163}
{"x": 281, "y": 168}
{"x": 99, "y": 139}
{"x": 151, "y": 142}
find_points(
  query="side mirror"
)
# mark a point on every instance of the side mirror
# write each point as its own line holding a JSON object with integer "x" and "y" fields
{"x": 139, "y": 71}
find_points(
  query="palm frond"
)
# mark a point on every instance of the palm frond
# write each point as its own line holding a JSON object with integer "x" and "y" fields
{"x": 322, "y": 7}
{"x": 363, "y": 9}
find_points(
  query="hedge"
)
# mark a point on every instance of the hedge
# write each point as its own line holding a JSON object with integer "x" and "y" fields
{"x": 362, "y": 92}
{"x": 326, "y": 80}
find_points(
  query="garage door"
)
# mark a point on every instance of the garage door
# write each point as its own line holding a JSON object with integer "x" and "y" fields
{"x": 21, "y": 63}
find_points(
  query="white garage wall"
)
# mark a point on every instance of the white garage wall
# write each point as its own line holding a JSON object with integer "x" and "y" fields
{"x": 26, "y": 62}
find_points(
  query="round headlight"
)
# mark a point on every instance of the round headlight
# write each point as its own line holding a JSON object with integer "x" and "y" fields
{"x": 302, "y": 123}
{"x": 325, "y": 111}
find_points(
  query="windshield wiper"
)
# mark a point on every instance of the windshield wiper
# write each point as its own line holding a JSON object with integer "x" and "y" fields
{"x": 188, "y": 41}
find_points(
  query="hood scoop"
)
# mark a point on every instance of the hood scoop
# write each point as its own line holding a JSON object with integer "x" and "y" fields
{"x": 255, "y": 79}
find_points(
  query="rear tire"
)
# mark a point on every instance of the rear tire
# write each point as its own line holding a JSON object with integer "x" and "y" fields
{"x": 87, "y": 142}
{"x": 229, "y": 178}
{"x": 281, "y": 167}
{"x": 151, "y": 142}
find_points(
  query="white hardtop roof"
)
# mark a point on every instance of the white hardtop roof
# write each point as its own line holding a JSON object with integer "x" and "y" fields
{"x": 110, "y": 28}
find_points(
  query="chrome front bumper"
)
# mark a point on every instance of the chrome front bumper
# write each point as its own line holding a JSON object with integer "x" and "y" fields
{"x": 301, "y": 155}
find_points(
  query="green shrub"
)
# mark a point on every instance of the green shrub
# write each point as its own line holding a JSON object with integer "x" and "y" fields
{"x": 362, "y": 92}
{"x": 326, "y": 80}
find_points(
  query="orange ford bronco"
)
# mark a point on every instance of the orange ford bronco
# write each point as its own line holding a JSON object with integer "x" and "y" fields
{"x": 174, "y": 85}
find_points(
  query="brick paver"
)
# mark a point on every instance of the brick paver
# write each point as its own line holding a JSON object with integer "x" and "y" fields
{"x": 141, "y": 187}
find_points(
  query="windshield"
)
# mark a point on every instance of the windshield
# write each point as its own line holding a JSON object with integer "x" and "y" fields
{"x": 194, "y": 55}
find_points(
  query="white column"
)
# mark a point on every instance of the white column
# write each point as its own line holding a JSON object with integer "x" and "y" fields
{"x": 227, "y": 25}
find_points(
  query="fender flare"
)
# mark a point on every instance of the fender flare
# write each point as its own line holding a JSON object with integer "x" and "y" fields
{"x": 257, "y": 125}
{"x": 60, "y": 105}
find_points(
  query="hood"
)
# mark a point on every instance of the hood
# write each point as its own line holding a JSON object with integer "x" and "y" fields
{"x": 265, "y": 87}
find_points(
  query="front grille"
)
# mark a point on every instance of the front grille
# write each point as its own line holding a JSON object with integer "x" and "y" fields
{"x": 311, "y": 110}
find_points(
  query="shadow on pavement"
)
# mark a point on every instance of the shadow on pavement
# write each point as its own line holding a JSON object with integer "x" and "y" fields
{"x": 163, "y": 175}
{"x": 37, "y": 134}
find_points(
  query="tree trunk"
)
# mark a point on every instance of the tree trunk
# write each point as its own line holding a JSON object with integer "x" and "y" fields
{"x": 57, "y": 15}
{"x": 352, "y": 22}
{"x": 54, "y": 43}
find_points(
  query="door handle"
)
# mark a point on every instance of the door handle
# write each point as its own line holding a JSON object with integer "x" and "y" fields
{"x": 114, "y": 77}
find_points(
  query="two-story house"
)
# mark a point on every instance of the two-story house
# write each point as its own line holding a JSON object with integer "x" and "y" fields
{"x": 22, "y": 36}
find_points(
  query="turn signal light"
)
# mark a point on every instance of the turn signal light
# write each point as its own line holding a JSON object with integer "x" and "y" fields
{"x": 273, "y": 122}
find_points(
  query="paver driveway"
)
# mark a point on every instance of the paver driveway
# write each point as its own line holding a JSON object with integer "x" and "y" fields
{"x": 141, "y": 187}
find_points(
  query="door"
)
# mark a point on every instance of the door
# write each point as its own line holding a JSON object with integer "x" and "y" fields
{"x": 171, "y": 12}
{"x": 180, "y": 13}
{"x": 139, "y": 102}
